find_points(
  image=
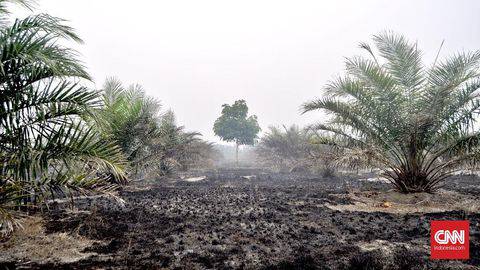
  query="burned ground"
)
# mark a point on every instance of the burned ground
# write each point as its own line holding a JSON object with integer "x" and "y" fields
{"x": 262, "y": 221}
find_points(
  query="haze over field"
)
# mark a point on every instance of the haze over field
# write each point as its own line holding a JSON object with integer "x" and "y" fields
{"x": 197, "y": 55}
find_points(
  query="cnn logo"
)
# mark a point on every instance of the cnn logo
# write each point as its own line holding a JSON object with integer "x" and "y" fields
{"x": 449, "y": 239}
{"x": 444, "y": 237}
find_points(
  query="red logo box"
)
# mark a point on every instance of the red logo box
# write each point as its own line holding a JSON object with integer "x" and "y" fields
{"x": 449, "y": 239}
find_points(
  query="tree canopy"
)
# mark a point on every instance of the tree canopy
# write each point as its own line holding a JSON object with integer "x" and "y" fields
{"x": 234, "y": 125}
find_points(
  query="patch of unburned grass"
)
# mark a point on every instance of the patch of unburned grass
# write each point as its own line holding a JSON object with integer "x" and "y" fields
{"x": 395, "y": 202}
{"x": 32, "y": 244}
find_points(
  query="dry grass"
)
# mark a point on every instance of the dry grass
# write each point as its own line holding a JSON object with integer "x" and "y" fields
{"x": 32, "y": 244}
{"x": 395, "y": 202}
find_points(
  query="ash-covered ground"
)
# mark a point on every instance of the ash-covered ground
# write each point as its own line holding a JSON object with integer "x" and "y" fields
{"x": 255, "y": 219}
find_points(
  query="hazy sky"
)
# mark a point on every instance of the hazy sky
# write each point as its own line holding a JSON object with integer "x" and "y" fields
{"x": 197, "y": 55}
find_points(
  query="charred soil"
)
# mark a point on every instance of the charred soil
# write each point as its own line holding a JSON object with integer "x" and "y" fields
{"x": 255, "y": 219}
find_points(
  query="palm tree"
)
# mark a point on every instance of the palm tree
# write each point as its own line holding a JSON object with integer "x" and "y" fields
{"x": 174, "y": 148}
{"x": 294, "y": 148}
{"x": 46, "y": 148}
{"x": 289, "y": 147}
{"x": 130, "y": 118}
{"x": 151, "y": 140}
{"x": 415, "y": 121}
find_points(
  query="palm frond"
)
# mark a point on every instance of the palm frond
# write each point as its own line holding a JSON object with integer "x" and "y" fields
{"x": 403, "y": 60}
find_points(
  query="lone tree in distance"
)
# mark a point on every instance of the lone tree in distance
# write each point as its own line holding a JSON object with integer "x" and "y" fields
{"x": 234, "y": 125}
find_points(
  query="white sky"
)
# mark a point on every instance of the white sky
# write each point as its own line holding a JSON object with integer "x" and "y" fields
{"x": 197, "y": 55}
